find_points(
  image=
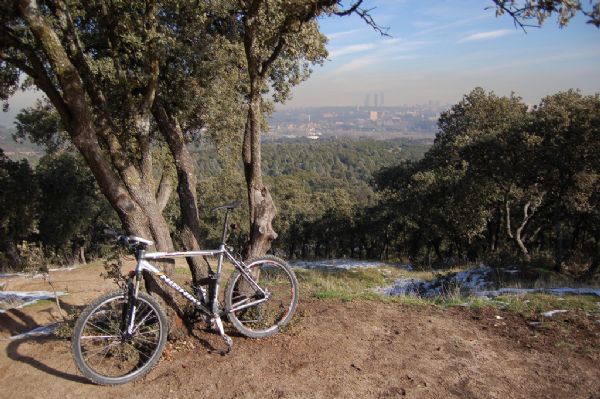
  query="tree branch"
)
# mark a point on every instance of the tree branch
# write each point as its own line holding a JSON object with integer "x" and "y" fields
{"x": 165, "y": 188}
{"x": 365, "y": 15}
{"x": 38, "y": 72}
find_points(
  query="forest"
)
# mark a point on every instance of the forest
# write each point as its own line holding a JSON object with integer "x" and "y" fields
{"x": 503, "y": 182}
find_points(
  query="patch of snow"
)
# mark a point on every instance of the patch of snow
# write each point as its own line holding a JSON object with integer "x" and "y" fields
{"x": 475, "y": 281}
{"x": 553, "y": 291}
{"x": 5, "y": 275}
{"x": 342, "y": 264}
{"x": 467, "y": 281}
{"x": 26, "y": 275}
{"x": 64, "y": 269}
{"x": 37, "y": 332}
{"x": 553, "y": 312}
{"x": 19, "y": 299}
{"x": 403, "y": 286}
{"x": 37, "y": 274}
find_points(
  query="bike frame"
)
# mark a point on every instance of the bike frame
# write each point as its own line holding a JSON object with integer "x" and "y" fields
{"x": 221, "y": 253}
{"x": 214, "y": 313}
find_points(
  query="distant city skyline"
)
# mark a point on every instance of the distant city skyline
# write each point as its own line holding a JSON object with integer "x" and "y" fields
{"x": 438, "y": 50}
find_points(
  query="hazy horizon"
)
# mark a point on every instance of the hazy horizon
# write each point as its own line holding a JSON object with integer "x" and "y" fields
{"x": 441, "y": 50}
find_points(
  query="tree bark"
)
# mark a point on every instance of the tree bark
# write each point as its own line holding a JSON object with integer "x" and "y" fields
{"x": 129, "y": 194}
{"x": 8, "y": 246}
{"x": 594, "y": 267}
{"x": 261, "y": 205}
{"x": 186, "y": 185}
{"x": 528, "y": 212}
{"x": 165, "y": 189}
{"x": 558, "y": 244}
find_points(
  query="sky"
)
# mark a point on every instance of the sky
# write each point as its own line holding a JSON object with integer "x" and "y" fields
{"x": 439, "y": 50}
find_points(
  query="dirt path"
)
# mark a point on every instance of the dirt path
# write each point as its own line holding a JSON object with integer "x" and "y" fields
{"x": 358, "y": 349}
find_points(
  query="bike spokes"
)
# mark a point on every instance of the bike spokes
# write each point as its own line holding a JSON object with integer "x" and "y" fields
{"x": 108, "y": 350}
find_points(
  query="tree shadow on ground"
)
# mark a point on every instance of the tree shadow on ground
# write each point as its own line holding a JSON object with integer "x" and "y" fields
{"x": 15, "y": 321}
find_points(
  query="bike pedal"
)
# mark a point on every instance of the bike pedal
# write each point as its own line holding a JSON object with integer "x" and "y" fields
{"x": 229, "y": 343}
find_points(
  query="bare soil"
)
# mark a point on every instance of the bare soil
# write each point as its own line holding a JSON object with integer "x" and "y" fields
{"x": 334, "y": 349}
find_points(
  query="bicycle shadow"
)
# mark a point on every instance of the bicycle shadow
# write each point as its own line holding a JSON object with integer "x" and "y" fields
{"x": 19, "y": 322}
{"x": 12, "y": 351}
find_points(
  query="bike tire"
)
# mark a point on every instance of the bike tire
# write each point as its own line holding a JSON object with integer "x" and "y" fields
{"x": 98, "y": 333}
{"x": 264, "y": 319}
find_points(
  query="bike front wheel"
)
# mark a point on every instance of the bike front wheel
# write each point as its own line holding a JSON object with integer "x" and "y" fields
{"x": 257, "y": 314}
{"x": 105, "y": 352}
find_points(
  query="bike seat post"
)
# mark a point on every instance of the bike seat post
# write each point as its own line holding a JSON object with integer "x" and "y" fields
{"x": 224, "y": 237}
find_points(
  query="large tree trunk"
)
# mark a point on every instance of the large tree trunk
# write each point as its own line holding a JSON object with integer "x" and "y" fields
{"x": 558, "y": 239}
{"x": 9, "y": 248}
{"x": 594, "y": 267}
{"x": 129, "y": 191}
{"x": 261, "y": 205}
{"x": 186, "y": 186}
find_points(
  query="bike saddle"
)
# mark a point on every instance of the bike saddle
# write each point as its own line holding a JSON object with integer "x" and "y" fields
{"x": 231, "y": 206}
{"x": 133, "y": 240}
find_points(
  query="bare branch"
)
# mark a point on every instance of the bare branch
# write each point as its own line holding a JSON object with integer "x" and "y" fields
{"x": 501, "y": 8}
{"x": 542, "y": 9}
{"x": 37, "y": 71}
{"x": 365, "y": 15}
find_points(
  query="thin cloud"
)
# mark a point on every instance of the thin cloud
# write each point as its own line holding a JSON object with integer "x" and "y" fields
{"x": 355, "y": 48}
{"x": 337, "y": 35}
{"x": 494, "y": 34}
{"x": 450, "y": 25}
{"x": 380, "y": 58}
{"x": 383, "y": 52}
{"x": 423, "y": 24}
{"x": 541, "y": 60}
{"x": 357, "y": 64}
{"x": 392, "y": 41}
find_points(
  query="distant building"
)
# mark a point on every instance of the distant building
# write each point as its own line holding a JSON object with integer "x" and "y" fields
{"x": 373, "y": 116}
{"x": 376, "y": 100}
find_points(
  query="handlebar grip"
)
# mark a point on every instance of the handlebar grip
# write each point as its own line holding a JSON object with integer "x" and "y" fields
{"x": 123, "y": 240}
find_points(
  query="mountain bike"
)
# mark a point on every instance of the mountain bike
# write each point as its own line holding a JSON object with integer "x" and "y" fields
{"x": 120, "y": 336}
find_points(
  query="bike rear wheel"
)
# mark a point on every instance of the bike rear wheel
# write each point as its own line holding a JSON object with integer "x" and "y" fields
{"x": 103, "y": 350}
{"x": 246, "y": 306}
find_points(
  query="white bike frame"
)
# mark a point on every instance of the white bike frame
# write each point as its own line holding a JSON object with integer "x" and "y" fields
{"x": 143, "y": 264}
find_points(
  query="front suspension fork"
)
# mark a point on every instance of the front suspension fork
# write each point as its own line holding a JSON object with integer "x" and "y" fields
{"x": 129, "y": 308}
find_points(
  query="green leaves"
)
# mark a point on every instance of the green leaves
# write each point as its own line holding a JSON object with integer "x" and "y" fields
{"x": 499, "y": 172}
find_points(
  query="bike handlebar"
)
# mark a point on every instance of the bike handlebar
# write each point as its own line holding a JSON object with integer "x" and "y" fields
{"x": 131, "y": 242}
